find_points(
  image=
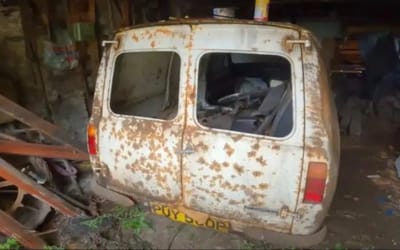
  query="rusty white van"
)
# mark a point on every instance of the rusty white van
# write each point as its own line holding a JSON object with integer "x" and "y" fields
{"x": 223, "y": 124}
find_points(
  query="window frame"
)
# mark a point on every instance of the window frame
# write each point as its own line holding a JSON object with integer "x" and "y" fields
{"x": 111, "y": 82}
{"x": 235, "y": 133}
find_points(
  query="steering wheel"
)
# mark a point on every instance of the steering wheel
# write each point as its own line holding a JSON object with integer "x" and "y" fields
{"x": 232, "y": 98}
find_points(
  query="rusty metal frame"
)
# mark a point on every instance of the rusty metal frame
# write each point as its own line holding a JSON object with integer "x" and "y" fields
{"x": 25, "y": 116}
{"x": 9, "y": 226}
{"x": 41, "y": 150}
{"x": 12, "y": 175}
{"x": 10, "y": 145}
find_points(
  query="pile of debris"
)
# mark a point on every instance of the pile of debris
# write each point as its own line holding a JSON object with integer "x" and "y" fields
{"x": 40, "y": 178}
{"x": 387, "y": 181}
{"x": 372, "y": 88}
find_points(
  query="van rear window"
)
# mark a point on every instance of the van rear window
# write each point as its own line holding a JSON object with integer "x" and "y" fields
{"x": 146, "y": 84}
{"x": 245, "y": 92}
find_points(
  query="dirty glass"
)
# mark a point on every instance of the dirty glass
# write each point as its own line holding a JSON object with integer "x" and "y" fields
{"x": 249, "y": 93}
{"x": 146, "y": 84}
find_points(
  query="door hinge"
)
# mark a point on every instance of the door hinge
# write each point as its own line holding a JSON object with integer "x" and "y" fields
{"x": 289, "y": 43}
{"x": 109, "y": 42}
{"x": 284, "y": 212}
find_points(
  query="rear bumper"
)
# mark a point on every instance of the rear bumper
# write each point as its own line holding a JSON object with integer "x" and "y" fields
{"x": 284, "y": 239}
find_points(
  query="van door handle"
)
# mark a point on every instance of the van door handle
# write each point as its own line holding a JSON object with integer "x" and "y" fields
{"x": 187, "y": 151}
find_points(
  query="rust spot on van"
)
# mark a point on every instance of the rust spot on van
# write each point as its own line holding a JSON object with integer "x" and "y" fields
{"x": 190, "y": 44}
{"x": 215, "y": 166}
{"x": 251, "y": 154}
{"x": 153, "y": 44}
{"x": 257, "y": 173}
{"x": 255, "y": 146}
{"x": 239, "y": 169}
{"x": 201, "y": 160}
{"x": 165, "y": 31}
{"x": 202, "y": 146}
{"x": 232, "y": 202}
{"x": 236, "y": 138}
{"x": 228, "y": 149}
{"x": 276, "y": 147}
{"x": 135, "y": 37}
{"x": 316, "y": 153}
{"x": 261, "y": 160}
{"x": 263, "y": 186}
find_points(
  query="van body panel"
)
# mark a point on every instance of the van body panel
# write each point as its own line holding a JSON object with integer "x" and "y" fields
{"x": 237, "y": 175}
{"x": 141, "y": 154}
{"x": 322, "y": 141}
{"x": 250, "y": 180}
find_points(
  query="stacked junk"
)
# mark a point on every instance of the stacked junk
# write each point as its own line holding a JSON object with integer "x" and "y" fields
{"x": 369, "y": 81}
{"x": 39, "y": 165}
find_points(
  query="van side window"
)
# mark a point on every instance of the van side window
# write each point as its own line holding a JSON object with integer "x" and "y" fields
{"x": 146, "y": 84}
{"x": 248, "y": 93}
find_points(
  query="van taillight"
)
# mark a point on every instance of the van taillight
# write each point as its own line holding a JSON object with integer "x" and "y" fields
{"x": 315, "y": 183}
{"x": 91, "y": 137}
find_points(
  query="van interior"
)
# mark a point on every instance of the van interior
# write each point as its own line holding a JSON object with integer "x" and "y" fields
{"x": 248, "y": 93}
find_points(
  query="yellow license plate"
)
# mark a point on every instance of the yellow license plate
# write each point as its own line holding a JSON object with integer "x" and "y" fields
{"x": 179, "y": 216}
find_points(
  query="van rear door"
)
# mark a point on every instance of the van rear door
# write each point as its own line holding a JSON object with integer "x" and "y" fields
{"x": 240, "y": 175}
{"x": 140, "y": 131}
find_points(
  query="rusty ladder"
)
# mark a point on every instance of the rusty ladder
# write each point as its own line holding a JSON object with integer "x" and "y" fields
{"x": 67, "y": 150}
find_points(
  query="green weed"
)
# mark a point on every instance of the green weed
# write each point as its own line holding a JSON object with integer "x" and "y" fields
{"x": 128, "y": 218}
{"x": 95, "y": 223}
{"x": 10, "y": 244}
{"x": 53, "y": 248}
{"x": 131, "y": 219}
{"x": 246, "y": 245}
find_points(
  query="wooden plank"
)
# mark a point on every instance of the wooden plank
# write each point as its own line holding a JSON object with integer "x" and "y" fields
{"x": 12, "y": 175}
{"x": 12, "y": 228}
{"x": 41, "y": 150}
{"x": 23, "y": 115}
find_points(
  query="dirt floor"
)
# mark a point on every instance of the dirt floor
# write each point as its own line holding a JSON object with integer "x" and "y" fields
{"x": 364, "y": 214}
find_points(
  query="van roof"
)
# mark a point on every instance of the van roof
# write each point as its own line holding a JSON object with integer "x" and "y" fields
{"x": 213, "y": 21}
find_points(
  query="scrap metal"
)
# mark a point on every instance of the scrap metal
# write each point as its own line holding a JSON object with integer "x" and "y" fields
{"x": 41, "y": 150}
{"x": 23, "y": 115}
{"x": 12, "y": 175}
{"x": 11, "y": 227}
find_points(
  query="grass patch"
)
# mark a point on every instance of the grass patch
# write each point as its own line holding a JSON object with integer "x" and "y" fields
{"x": 128, "y": 218}
{"x": 246, "y": 245}
{"x": 10, "y": 244}
{"x": 53, "y": 248}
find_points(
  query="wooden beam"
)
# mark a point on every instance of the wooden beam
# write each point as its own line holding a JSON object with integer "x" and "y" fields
{"x": 41, "y": 150}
